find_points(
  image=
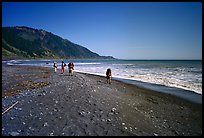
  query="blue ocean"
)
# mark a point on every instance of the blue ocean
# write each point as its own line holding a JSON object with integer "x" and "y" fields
{"x": 176, "y": 77}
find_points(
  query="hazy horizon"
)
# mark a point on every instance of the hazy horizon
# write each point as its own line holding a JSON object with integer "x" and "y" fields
{"x": 124, "y": 30}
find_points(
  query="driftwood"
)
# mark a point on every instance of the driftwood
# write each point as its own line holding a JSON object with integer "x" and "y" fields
{"x": 10, "y": 107}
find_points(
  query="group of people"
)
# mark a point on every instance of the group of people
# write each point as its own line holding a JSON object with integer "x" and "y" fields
{"x": 70, "y": 67}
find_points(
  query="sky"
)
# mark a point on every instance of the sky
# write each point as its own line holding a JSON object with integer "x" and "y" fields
{"x": 124, "y": 30}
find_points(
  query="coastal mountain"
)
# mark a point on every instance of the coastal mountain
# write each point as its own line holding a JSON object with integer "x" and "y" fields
{"x": 25, "y": 42}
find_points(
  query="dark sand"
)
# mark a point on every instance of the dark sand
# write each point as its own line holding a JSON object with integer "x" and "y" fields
{"x": 85, "y": 105}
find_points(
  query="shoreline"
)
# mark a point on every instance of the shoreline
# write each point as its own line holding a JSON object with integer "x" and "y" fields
{"x": 196, "y": 94}
{"x": 84, "y": 105}
{"x": 188, "y": 95}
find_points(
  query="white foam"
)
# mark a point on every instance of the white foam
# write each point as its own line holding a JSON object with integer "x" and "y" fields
{"x": 87, "y": 63}
{"x": 150, "y": 76}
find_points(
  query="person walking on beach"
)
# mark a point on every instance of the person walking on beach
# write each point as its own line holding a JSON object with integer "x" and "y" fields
{"x": 63, "y": 65}
{"x": 71, "y": 68}
{"x": 108, "y": 75}
{"x": 55, "y": 66}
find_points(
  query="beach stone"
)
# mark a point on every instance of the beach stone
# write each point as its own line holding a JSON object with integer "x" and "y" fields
{"x": 108, "y": 120}
{"x": 45, "y": 124}
{"x": 111, "y": 113}
{"x": 113, "y": 109}
{"x": 155, "y": 134}
{"x": 51, "y": 134}
{"x": 19, "y": 130}
{"x": 14, "y": 133}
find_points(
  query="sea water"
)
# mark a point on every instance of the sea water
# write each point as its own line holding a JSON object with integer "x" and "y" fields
{"x": 169, "y": 76}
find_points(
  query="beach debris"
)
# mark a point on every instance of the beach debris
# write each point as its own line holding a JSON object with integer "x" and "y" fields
{"x": 14, "y": 133}
{"x": 11, "y": 118}
{"x": 130, "y": 128}
{"x": 56, "y": 102}
{"x": 23, "y": 123}
{"x": 125, "y": 128}
{"x": 9, "y": 108}
{"x": 123, "y": 124}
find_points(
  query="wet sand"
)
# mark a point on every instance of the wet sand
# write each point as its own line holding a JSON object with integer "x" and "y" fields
{"x": 85, "y": 105}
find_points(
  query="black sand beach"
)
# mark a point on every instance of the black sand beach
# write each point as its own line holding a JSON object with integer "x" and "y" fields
{"x": 85, "y": 105}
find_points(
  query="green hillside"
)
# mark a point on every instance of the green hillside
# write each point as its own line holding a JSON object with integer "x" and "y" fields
{"x": 25, "y": 42}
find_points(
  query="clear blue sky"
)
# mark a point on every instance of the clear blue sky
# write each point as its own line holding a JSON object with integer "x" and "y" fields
{"x": 132, "y": 30}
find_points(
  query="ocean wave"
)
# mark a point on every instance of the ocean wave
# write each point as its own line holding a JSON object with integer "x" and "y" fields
{"x": 87, "y": 63}
{"x": 123, "y": 64}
